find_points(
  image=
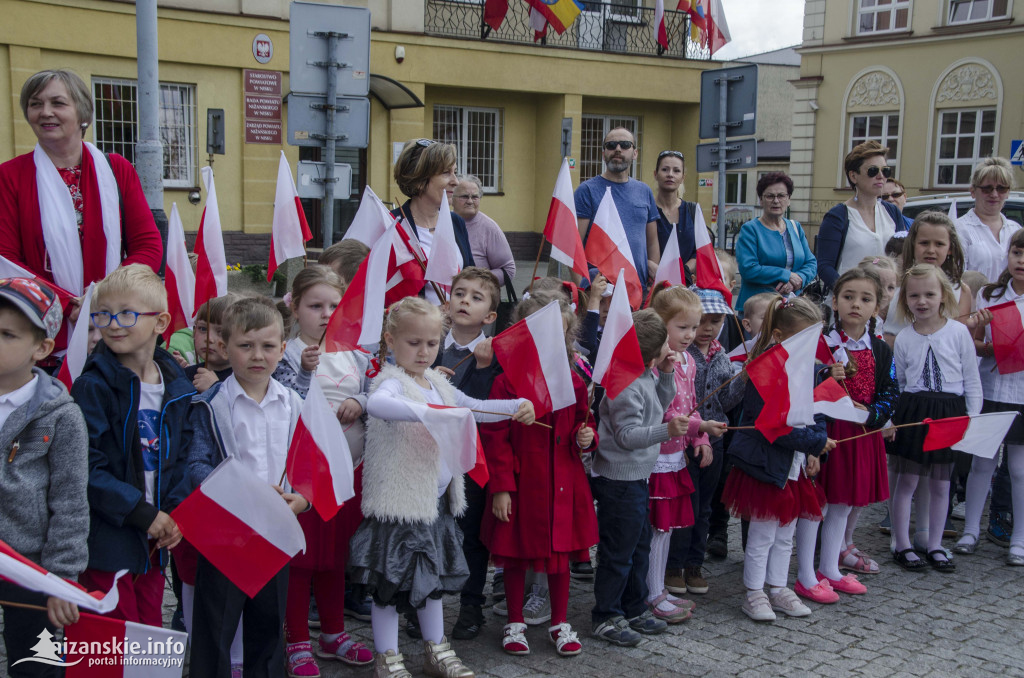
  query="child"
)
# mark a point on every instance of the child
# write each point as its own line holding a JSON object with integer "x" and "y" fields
{"x": 768, "y": 484}
{"x": 754, "y": 309}
{"x": 682, "y": 484}
{"x": 212, "y": 365}
{"x": 886, "y": 270}
{"x": 316, "y": 292}
{"x": 344, "y": 258}
{"x": 135, "y": 399}
{"x": 320, "y": 291}
{"x": 1003, "y": 392}
{"x": 407, "y": 552}
{"x": 854, "y": 475}
{"x": 530, "y": 528}
{"x": 43, "y": 502}
{"x": 631, "y": 432}
{"x": 937, "y": 371}
{"x": 251, "y": 417}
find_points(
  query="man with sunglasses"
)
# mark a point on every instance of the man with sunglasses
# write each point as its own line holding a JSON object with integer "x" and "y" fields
{"x": 634, "y": 200}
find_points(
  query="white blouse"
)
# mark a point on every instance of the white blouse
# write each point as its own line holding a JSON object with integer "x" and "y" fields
{"x": 981, "y": 250}
{"x": 1001, "y": 388}
{"x": 863, "y": 242}
{"x": 953, "y": 350}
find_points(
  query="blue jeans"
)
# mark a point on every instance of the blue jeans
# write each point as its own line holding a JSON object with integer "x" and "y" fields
{"x": 689, "y": 544}
{"x": 1002, "y": 501}
{"x": 623, "y": 553}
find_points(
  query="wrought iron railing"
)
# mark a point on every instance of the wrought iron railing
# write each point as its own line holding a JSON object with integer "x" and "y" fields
{"x": 601, "y": 27}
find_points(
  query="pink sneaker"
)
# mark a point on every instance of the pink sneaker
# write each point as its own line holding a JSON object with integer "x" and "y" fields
{"x": 819, "y": 593}
{"x": 300, "y": 661}
{"x": 845, "y": 584}
{"x": 344, "y": 649}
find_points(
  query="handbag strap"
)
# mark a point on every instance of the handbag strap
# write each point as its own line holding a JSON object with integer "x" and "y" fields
{"x": 510, "y": 290}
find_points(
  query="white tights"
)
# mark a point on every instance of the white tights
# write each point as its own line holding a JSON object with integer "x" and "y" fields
{"x": 769, "y": 548}
{"x": 978, "y": 483}
{"x": 938, "y": 498}
{"x": 659, "y": 559}
{"x": 833, "y": 538}
{"x": 806, "y": 538}
{"x": 384, "y": 621}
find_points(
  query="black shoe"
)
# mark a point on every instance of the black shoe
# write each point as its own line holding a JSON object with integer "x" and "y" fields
{"x": 941, "y": 565}
{"x": 718, "y": 545}
{"x": 498, "y": 587}
{"x": 906, "y": 563}
{"x": 469, "y": 624}
{"x": 412, "y": 627}
{"x": 581, "y": 570}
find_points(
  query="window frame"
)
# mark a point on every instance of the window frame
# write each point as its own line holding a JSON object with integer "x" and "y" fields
{"x": 742, "y": 186}
{"x": 989, "y": 16}
{"x": 891, "y": 9}
{"x": 462, "y": 144}
{"x": 608, "y": 122}
{"x": 885, "y": 139}
{"x": 977, "y": 136}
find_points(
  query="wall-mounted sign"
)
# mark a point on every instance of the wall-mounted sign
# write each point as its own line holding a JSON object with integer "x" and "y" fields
{"x": 263, "y": 48}
{"x": 261, "y": 102}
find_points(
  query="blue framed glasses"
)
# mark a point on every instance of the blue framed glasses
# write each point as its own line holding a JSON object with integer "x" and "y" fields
{"x": 124, "y": 319}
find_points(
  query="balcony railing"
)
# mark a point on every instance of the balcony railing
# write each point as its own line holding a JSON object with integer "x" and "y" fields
{"x": 601, "y": 27}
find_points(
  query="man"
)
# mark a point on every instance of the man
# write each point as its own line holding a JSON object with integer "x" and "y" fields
{"x": 633, "y": 200}
{"x": 895, "y": 193}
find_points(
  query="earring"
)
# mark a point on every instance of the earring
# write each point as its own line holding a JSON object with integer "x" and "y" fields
{"x": 856, "y": 194}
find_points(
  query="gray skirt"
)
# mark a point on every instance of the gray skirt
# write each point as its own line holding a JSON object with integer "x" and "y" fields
{"x": 404, "y": 564}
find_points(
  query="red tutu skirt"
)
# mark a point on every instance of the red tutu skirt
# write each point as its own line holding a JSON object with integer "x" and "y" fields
{"x": 751, "y": 499}
{"x": 327, "y": 541}
{"x": 855, "y": 472}
{"x": 670, "y": 503}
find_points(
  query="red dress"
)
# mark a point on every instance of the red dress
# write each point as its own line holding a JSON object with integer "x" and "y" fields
{"x": 670, "y": 485}
{"x": 553, "y": 519}
{"x": 855, "y": 472}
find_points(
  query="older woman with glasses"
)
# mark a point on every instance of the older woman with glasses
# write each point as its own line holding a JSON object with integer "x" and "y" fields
{"x": 860, "y": 226}
{"x": 771, "y": 250}
{"x": 486, "y": 240}
{"x": 675, "y": 215}
{"x": 984, "y": 231}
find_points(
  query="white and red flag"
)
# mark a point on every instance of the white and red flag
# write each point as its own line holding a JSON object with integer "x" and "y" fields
{"x": 619, "y": 361}
{"x": 212, "y": 267}
{"x": 532, "y": 352}
{"x": 319, "y": 462}
{"x": 102, "y": 647}
{"x": 359, "y": 317}
{"x": 980, "y": 435}
{"x": 445, "y": 260}
{"x": 289, "y": 231}
{"x": 739, "y": 354}
{"x": 371, "y": 219}
{"x": 607, "y": 247}
{"x": 78, "y": 343}
{"x": 709, "y": 270}
{"x": 717, "y": 28}
{"x": 562, "y": 228}
{"x": 241, "y": 525}
{"x": 833, "y": 401}
{"x": 660, "y": 34}
{"x": 455, "y": 432}
{"x": 179, "y": 278}
{"x": 783, "y": 376}
{"x": 21, "y": 571}
{"x": 1007, "y": 328}
{"x": 953, "y": 211}
{"x": 670, "y": 268}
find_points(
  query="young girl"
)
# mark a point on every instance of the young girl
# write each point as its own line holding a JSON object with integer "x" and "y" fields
{"x": 888, "y": 272}
{"x": 854, "y": 474}
{"x": 681, "y": 485}
{"x": 1003, "y": 392}
{"x": 316, "y": 292}
{"x": 321, "y": 290}
{"x": 545, "y": 517}
{"x": 937, "y": 372}
{"x": 407, "y": 553}
{"x": 768, "y": 484}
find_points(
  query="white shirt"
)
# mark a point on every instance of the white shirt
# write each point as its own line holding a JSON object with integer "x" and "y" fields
{"x": 16, "y": 398}
{"x": 863, "y": 242}
{"x": 151, "y": 401}
{"x": 1001, "y": 388}
{"x": 261, "y": 428}
{"x": 982, "y": 252}
{"x": 426, "y": 238}
{"x": 342, "y": 375}
{"x": 954, "y": 353}
{"x": 449, "y": 341}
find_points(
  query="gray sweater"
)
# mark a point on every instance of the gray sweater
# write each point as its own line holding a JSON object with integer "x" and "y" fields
{"x": 631, "y": 430}
{"x": 44, "y": 509}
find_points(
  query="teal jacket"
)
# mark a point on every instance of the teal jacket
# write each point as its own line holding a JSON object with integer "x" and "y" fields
{"x": 761, "y": 255}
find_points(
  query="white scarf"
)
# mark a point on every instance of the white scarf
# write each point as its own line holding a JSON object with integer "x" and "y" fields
{"x": 60, "y": 225}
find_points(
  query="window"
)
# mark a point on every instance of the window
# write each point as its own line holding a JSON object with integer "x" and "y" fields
{"x": 477, "y": 135}
{"x": 882, "y": 16}
{"x": 965, "y": 137}
{"x": 594, "y": 128}
{"x": 117, "y": 125}
{"x": 881, "y": 127}
{"x": 736, "y": 188}
{"x": 964, "y": 11}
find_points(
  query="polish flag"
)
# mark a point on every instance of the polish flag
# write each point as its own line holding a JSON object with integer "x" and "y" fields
{"x": 406, "y": 271}
{"x": 78, "y": 344}
{"x": 371, "y": 219}
{"x": 980, "y": 435}
{"x": 125, "y": 643}
{"x": 670, "y": 268}
{"x": 445, "y": 260}
{"x": 562, "y": 228}
{"x": 709, "y": 270}
{"x": 739, "y": 354}
{"x": 21, "y": 571}
{"x": 618, "y": 361}
{"x": 241, "y": 525}
{"x": 717, "y": 28}
{"x": 359, "y": 317}
{"x": 179, "y": 278}
{"x": 830, "y": 351}
{"x": 783, "y": 376}
{"x": 212, "y": 267}
{"x": 289, "y": 231}
{"x": 9, "y": 269}
{"x": 660, "y": 35}
{"x": 455, "y": 432}
{"x": 608, "y": 248}
{"x": 833, "y": 401}
{"x": 953, "y": 212}
{"x": 319, "y": 462}
{"x": 494, "y": 12}
{"x": 1007, "y": 330}
{"x": 532, "y": 352}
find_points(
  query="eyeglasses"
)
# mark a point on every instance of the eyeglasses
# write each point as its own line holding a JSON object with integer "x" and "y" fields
{"x": 771, "y": 197}
{"x": 125, "y": 319}
{"x": 892, "y": 196}
{"x": 468, "y": 198}
{"x": 674, "y": 154}
{"x": 612, "y": 145}
{"x": 875, "y": 169}
{"x": 1001, "y": 190}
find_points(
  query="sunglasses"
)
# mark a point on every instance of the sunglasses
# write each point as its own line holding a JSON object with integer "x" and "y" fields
{"x": 612, "y": 145}
{"x": 674, "y": 154}
{"x": 892, "y": 196}
{"x": 1001, "y": 190}
{"x": 875, "y": 169}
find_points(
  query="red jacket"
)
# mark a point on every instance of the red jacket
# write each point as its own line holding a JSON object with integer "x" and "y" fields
{"x": 552, "y": 508}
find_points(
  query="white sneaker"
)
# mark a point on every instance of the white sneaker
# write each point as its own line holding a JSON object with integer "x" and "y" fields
{"x": 757, "y": 607}
{"x": 786, "y": 601}
{"x": 959, "y": 511}
{"x": 537, "y": 608}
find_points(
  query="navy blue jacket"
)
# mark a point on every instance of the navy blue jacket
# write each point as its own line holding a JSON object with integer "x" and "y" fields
{"x": 108, "y": 394}
{"x": 461, "y": 232}
{"x": 832, "y": 237}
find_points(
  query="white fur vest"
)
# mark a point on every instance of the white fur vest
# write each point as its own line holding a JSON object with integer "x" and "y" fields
{"x": 401, "y": 463}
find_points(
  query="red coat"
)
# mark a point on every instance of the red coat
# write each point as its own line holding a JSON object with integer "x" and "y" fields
{"x": 552, "y": 508}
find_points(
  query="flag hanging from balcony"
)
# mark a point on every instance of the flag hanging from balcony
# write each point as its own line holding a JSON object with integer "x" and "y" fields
{"x": 660, "y": 35}
{"x": 560, "y": 14}
{"x": 717, "y": 30}
{"x": 695, "y": 8}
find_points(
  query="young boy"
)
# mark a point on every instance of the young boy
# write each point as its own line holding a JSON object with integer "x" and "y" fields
{"x": 345, "y": 257}
{"x": 212, "y": 365}
{"x": 754, "y": 309}
{"x": 630, "y": 434}
{"x": 43, "y": 503}
{"x": 135, "y": 399}
{"x": 251, "y": 417}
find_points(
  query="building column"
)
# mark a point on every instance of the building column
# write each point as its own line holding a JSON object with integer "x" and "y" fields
{"x": 801, "y": 158}
{"x": 24, "y": 62}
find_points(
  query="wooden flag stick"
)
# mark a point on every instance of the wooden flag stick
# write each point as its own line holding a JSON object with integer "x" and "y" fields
{"x": 723, "y": 385}
{"x": 739, "y": 326}
{"x": 740, "y": 428}
{"x": 456, "y": 365}
{"x": 915, "y": 423}
{"x": 536, "y": 263}
{"x": 27, "y": 606}
{"x": 502, "y": 414}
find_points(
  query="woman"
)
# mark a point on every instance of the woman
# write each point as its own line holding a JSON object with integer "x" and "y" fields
{"x": 486, "y": 240}
{"x": 772, "y": 251}
{"x": 984, "y": 231}
{"x": 68, "y": 213}
{"x": 675, "y": 215}
{"x": 425, "y": 172}
{"x": 862, "y": 225}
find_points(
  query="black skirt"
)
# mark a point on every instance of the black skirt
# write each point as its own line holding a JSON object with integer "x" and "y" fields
{"x": 906, "y": 450}
{"x": 1015, "y": 436}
